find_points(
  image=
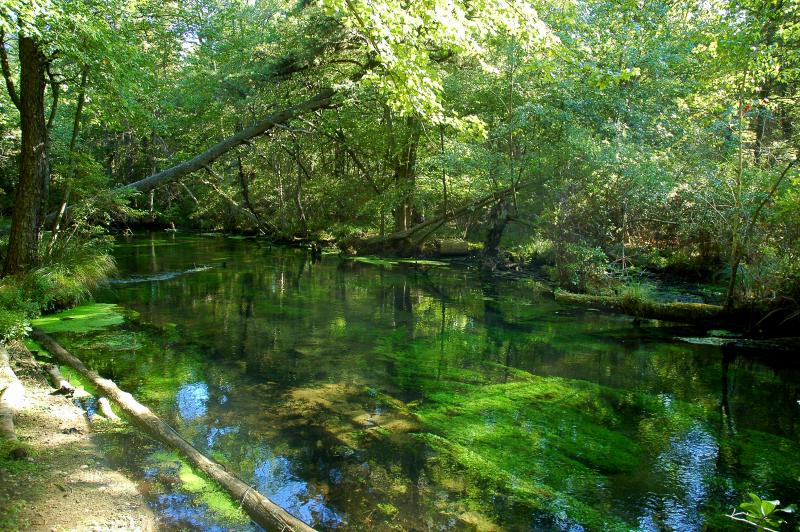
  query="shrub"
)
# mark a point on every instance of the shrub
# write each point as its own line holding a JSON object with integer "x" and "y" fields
{"x": 578, "y": 267}
{"x": 64, "y": 280}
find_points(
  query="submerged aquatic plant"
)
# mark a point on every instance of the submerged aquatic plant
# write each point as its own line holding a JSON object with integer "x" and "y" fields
{"x": 89, "y": 317}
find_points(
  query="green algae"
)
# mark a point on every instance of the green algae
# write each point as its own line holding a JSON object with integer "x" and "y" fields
{"x": 34, "y": 347}
{"x": 204, "y": 490}
{"x": 387, "y": 509}
{"x": 543, "y": 443}
{"x": 112, "y": 340}
{"x": 91, "y": 317}
{"x": 77, "y": 380}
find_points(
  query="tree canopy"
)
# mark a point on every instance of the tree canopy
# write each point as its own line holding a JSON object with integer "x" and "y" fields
{"x": 610, "y": 136}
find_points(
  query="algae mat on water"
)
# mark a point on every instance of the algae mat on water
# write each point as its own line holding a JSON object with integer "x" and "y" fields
{"x": 91, "y": 317}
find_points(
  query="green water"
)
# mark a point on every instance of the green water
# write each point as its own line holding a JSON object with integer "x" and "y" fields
{"x": 394, "y": 396}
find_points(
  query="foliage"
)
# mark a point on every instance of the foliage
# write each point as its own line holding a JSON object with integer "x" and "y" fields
{"x": 762, "y": 514}
{"x": 650, "y": 135}
{"x": 64, "y": 280}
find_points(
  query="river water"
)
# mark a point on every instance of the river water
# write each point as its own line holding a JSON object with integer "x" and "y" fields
{"x": 399, "y": 396}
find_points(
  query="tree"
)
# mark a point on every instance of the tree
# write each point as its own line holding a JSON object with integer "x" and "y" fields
{"x": 34, "y": 167}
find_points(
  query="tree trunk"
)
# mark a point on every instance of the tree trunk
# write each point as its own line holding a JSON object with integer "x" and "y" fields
{"x": 34, "y": 173}
{"x": 73, "y": 140}
{"x": 105, "y": 407}
{"x": 405, "y": 167}
{"x": 62, "y": 385}
{"x": 498, "y": 219}
{"x": 261, "y": 509}
{"x": 404, "y": 243}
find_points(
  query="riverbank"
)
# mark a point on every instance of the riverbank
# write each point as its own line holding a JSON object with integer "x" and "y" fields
{"x": 66, "y": 482}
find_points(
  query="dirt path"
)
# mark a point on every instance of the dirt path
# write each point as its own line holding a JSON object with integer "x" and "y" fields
{"x": 67, "y": 483}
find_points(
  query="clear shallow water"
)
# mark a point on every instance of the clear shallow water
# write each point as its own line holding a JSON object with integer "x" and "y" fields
{"x": 368, "y": 396}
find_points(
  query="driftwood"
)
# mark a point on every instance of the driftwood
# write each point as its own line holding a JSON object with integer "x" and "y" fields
{"x": 261, "y": 509}
{"x": 62, "y": 385}
{"x": 12, "y": 399}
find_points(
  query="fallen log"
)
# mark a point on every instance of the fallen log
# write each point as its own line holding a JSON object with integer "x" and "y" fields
{"x": 62, "y": 385}
{"x": 691, "y": 313}
{"x": 12, "y": 399}
{"x": 408, "y": 242}
{"x": 263, "y": 511}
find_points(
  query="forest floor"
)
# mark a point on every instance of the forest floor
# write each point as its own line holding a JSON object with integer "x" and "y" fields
{"x": 66, "y": 483}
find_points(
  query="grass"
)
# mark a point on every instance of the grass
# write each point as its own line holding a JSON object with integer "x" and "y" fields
{"x": 60, "y": 282}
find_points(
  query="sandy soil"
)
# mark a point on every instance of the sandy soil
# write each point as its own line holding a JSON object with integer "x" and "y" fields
{"x": 69, "y": 484}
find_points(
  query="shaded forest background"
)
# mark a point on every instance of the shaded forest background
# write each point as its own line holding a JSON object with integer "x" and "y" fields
{"x": 594, "y": 139}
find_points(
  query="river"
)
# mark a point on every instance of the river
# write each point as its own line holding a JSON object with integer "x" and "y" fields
{"x": 370, "y": 394}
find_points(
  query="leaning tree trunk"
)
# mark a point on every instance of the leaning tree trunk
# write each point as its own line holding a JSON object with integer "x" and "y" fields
{"x": 321, "y": 100}
{"x": 408, "y": 242}
{"x": 34, "y": 172}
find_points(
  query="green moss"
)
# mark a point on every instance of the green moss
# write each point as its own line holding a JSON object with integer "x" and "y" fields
{"x": 15, "y": 465}
{"x": 91, "y": 317}
{"x": 633, "y": 302}
{"x": 34, "y": 347}
{"x": 210, "y": 494}
{"x": 389, "y": 510}
{"x": 9, "y": 516}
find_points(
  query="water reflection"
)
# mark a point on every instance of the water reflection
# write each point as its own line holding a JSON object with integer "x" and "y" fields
{"x": 687, "y": 467}
{"x": 176, "y": 509}
{"x": 214, "y": 433}
{"x": 191, "y": 400}
{"x": 275, "y": 479}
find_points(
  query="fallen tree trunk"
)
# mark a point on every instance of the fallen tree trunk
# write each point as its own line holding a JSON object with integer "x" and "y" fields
{"x": 261, "y": 509}
{"x": 753, "y": 320}
{"x": 12, "y": 399}
{"x": 105, "y": 408}
{"x": 677, "y": 312}
{"x": 407, "y": 242}
{"x": 321, "y": 100}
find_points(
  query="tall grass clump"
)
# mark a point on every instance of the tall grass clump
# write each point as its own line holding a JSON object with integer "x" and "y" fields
{"x": 634, "y": 296}
{"x": 67, "y": 276}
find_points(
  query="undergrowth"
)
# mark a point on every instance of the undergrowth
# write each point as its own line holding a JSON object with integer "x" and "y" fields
{"x": 63, "y": 279}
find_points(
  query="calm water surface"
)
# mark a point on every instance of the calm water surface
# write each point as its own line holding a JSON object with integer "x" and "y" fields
{"x": 401, "y": 397}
